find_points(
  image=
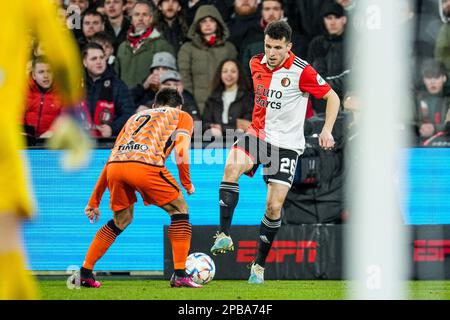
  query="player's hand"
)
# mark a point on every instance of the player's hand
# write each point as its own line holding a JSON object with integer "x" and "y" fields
{"x": 69, "y": 135}
{"x": 92, "y": 213}
{"x": 152, "y": 82}
{"x": 216, "y": 130}
{"x": 190, "y": 191}
{"x": 426, "y": 130}
{"x": 326, "y": 140}
{"x": 242, "y": 124}
{"x": 105, "y": 130}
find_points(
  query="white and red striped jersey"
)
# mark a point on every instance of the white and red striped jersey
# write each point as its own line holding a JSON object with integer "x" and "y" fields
{"x": 281, "y": 98}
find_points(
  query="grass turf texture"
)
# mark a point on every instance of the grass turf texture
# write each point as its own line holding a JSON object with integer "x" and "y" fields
{"x": 113, "y": 289}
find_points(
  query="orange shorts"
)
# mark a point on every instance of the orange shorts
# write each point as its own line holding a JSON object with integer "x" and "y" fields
{"x": 155, "y": 184}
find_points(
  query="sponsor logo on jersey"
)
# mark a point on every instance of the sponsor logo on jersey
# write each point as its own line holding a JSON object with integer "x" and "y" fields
{"x": 2, "y": 77}
{"x": 262, "y": 96}
{"x": 320, "y": 80}
{"x": 133, "y": 146}
{"x": 285, "y": 82}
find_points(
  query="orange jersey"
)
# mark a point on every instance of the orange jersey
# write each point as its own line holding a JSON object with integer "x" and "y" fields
{"x": 149, "y": 136}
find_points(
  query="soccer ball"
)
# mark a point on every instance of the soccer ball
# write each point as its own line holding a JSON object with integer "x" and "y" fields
{"x": 201, "y": 267}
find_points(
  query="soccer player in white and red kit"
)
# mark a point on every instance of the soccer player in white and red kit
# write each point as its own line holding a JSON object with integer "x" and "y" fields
{"x": 282, "y": 83}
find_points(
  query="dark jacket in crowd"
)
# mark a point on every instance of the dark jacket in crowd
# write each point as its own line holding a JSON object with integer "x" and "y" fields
{"x": 141, "y": 96}
{"x": 240, "y": 108}
{"x": 99, "y": 90}
{"x": 327, "y": 55}
{"x": 239, "y": 27}
{"x": 122, "y": 36}
{"x": 305, "y": 16}
{"x": 174, "y": 34}
{"x": 191, "y": 11}
{"x": 190, "y": 106}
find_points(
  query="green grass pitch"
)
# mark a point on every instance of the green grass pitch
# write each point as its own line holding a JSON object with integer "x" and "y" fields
{"x": 140, "y": 289}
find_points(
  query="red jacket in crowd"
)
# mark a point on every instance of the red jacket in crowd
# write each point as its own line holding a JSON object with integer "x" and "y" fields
{"x": 42, "y": 108}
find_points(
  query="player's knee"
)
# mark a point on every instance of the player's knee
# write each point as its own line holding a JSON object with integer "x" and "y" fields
{"x": 178, "y": 206}
{"x": 123, "y": 221}
{"x": 182, "y": 208}
{"x": 232, "y": 172}
{"x": 273, "y": 209}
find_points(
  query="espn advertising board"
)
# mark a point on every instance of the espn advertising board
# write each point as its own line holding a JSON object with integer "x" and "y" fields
{"x": 306, "y": 252}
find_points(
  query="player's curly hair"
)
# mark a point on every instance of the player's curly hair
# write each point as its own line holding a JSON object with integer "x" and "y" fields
{"x": 278, "y": 30}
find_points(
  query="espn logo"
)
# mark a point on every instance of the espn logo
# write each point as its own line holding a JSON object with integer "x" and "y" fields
{"x": 431, "y": 250}
{"x": 301, "y": 250}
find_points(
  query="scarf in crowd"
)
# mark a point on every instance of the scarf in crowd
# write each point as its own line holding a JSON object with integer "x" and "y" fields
{"x": 263, "y": 24}
{"x": 104, "y": 109}
{"x": 212, "y": 41}
{"x": 137, "y": 38}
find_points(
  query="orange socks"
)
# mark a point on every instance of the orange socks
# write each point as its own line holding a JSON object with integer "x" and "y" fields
{"x": 101, "y": 243}
{"x": 180, "y": 233}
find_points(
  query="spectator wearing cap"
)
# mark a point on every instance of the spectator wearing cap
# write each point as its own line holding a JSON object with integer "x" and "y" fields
{"x": 433, "y": 101}
{"x": 171, "y": 22}
{"x": 116, "y": 24}
{"x": 230, "y": 105}
{"x": 326, "y": 52}
{"x": 145, "y": 92}
{"x": 135, "y": 55}
{"x": 199, "y": 58}
{"x": 172, "y": 79}
{"x": 108, "y": 102}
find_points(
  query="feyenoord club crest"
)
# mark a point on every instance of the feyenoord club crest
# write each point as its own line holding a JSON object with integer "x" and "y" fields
{"x": 285, "y": 82}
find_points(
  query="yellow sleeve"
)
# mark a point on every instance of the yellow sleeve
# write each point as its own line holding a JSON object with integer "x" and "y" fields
{"x": 59, "y": 46}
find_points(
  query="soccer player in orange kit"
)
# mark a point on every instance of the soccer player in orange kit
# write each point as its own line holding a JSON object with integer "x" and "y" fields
{"x": 136, "y": 163}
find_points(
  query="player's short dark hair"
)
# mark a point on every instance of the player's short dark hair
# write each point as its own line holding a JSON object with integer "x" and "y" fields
{"x": 39, "y": 59}
{"x": 89, "y": 46}
{"x": 168, "y": 97}
{"x": 278, "y": 30}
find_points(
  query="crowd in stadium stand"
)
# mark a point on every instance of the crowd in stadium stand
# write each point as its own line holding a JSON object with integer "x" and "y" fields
{"x": 130, "y": 48}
